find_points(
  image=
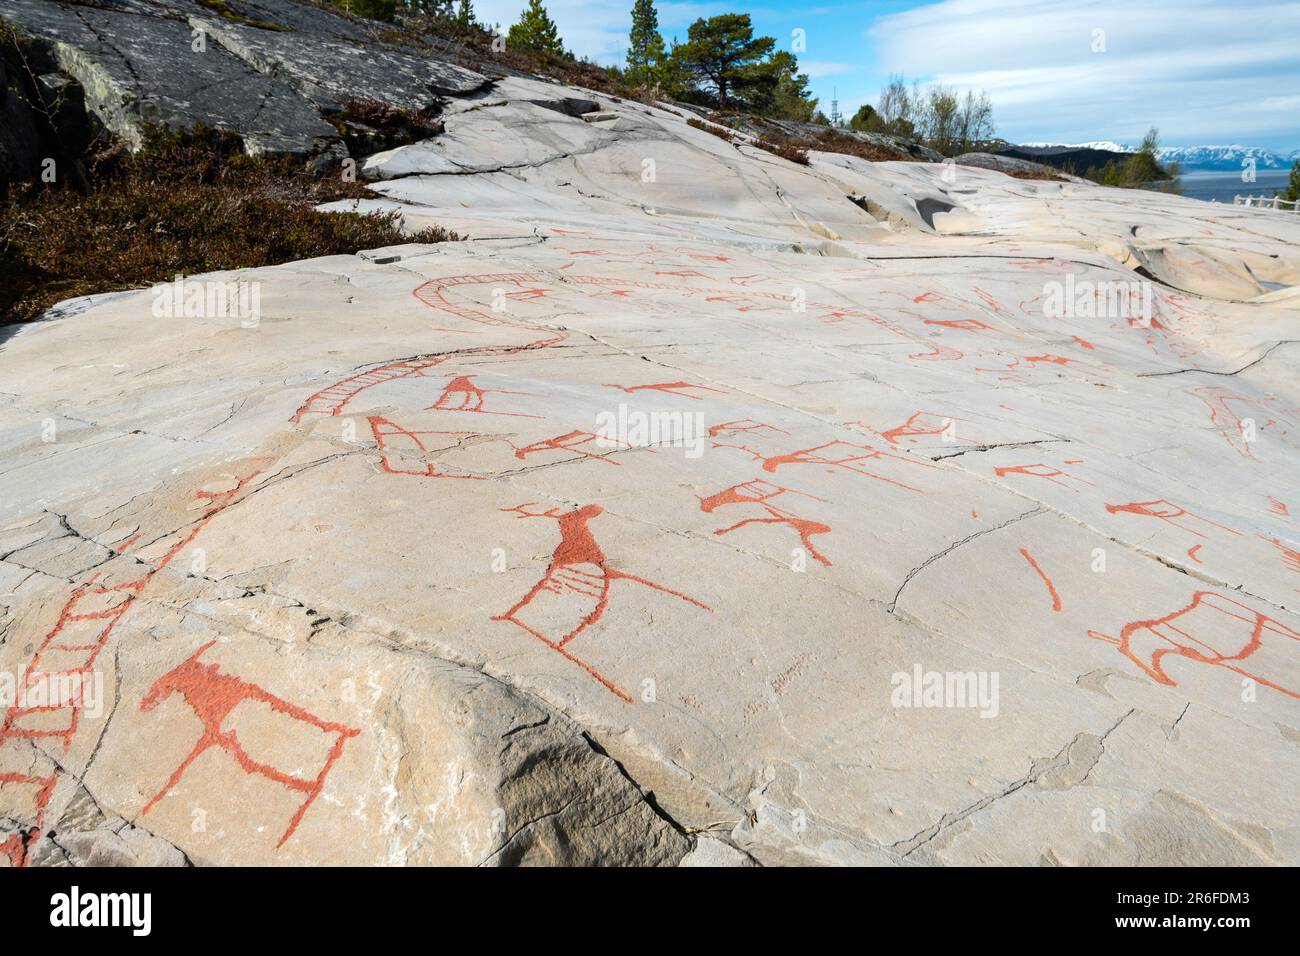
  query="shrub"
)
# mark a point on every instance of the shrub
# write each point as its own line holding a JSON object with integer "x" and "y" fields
{"x": 185, "y": 204}
{"x": 370, "y": 125}
{"x": 718, "y": 131}
{"x": 223, "y": 9}
{"x": 832, "y": 142}
{"x": 383, "y": 10}
{"x": 784, "y": 149}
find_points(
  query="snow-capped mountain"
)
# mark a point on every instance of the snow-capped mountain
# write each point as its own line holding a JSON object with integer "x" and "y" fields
{"x": 1200, "y": 157}
{"x": 1224, "y": 157}
{"x": 1103, "y": 144}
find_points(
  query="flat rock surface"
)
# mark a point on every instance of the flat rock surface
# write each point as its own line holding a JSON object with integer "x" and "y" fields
{"x": 641, "y": 512}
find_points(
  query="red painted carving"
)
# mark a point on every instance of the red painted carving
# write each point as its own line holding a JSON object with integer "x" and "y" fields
{"x": 213, "y": 695}
{"x": 672, "y": 388}
{"x": 743, "y": 425}
{"x": 1229, "y": 424}
{"x": 386, "y": 432}
{"x": 1042, "y": 471}
{"x": 1051, "y": 588}
{"x": 1167, "y": 511}
{"x": 102, "y": 607}
{"x": 921, "y": 423}
{"x": 761, "y": 493}
{"x": 571, "y": 442}
{"x": 846, "y": 456}
{"x": 578, "y": 571}
{"x": 1191, "y": 632}
{"x": 1290, "y": 556}
{"x": 462, "y": 395}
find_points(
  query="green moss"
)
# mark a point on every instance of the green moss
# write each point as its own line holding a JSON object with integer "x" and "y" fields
{"x": 221, "y": 8}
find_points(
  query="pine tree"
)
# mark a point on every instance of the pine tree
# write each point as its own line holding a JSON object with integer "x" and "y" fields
{"x": 1292, "y": 193}
{"x": 722, "y": 53}
{"x": 645, "y": 45}
{"x": 465, "y": 14}
{"x": 536, "y": 31}
{"x": 439, "y": 9}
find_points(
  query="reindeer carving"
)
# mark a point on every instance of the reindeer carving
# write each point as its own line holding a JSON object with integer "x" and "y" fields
{"x": 213, "y": 696}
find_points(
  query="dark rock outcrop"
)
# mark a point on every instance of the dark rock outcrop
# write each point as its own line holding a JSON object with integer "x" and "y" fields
{"x": 275, "y": 72}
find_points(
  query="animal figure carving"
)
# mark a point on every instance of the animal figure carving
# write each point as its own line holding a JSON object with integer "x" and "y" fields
{"x": 574, "y": 592}
{"x": 1211, "y": 629}
{"x": 213, "y": 696}
{"x": 462, "y": 395}
{"x": 761, "y": 493}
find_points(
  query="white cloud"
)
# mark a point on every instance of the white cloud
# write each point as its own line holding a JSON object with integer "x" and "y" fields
{"x": 819, "y": 68}
{"x": 1198, "y": 69}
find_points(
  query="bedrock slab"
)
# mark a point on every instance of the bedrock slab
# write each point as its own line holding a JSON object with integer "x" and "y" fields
{"x": 711, "y": 510}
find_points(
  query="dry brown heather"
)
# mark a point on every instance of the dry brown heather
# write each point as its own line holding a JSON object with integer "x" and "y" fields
{"x": 183, "y": 205}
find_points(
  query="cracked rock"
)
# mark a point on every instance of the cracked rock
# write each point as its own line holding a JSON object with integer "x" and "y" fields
{"x": 687, "y": 511}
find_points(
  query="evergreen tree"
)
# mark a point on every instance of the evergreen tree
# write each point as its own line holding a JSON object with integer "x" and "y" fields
{"x": 866, "y": 119}
{"x": 1142, "y": 166}
{"x": 439, "y": 9}
{"x": 465, "y": 14}
{"x": 776, "y": 88}
{"x": 1292, "y": 193}
{"x": 643, "y": 42}
{"x": 722, "y": 53}
{"x": 536, "y": 31}
{"x": 669, "y": 74}
{"x": 385, "y": 10}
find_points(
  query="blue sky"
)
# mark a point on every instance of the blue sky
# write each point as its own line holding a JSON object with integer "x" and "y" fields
{"x": 1206, "y": 72}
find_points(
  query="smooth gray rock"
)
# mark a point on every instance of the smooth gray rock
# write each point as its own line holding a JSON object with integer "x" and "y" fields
{"x": 712, "y": 852}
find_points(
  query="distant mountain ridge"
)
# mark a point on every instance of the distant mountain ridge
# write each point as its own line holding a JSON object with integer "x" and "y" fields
{"x": 1195, "y": 157}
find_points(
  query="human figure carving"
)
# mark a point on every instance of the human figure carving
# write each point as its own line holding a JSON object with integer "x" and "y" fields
{"x": 580, "y": 573}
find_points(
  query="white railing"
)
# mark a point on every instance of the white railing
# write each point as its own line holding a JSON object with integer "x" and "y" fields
{"x": 1266, "y": 202}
